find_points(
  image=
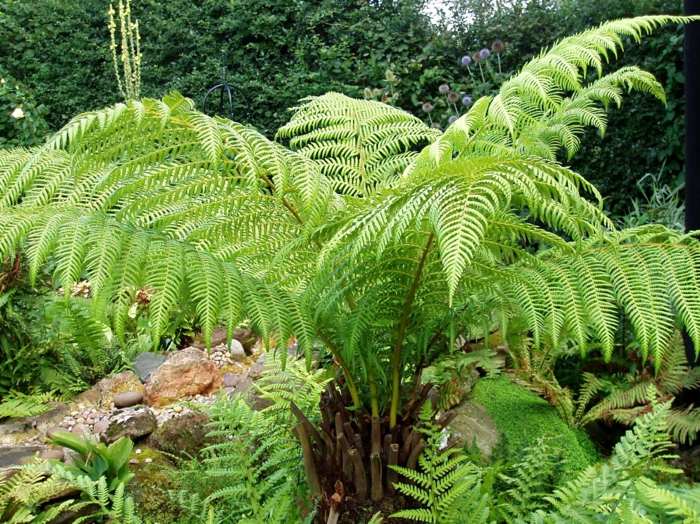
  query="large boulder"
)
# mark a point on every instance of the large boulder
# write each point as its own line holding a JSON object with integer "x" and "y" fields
{"x": 472, "y": 426}
{"x": 154, "y": 480}
{"x": 183, "y": 435}
{"x": 129, "y": 422}
{"x": 186, "y": 373}
{"x": 102, "y": 394}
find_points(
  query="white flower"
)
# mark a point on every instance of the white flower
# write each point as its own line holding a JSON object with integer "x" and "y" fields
{"x": 17, "y": 113}
{"x": 2, "y": 81}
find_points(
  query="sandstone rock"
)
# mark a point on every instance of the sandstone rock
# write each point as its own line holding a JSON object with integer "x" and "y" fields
{"x": 146, "y": 363}
{"x": 473, "y": 425}
{"x": 102, "y": 393}
{"x": 130, "y": 422}
{"x": 183, "y": 435}
{"x": 127, "y": 399}
{"x": 186, "y": 373}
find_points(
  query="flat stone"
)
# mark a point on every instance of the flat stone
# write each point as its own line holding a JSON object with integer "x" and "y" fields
{"x": 127, "y": 399}
{"x": 132, "y": 422}
{"x": 17, "y": 455}
{"x": 146, "y": 363}
{"x": 102, "y": 394}
{"x": 52, "y": 453}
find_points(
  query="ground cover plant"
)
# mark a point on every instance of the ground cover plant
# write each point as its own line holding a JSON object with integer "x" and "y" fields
{"x": 381, "y": 245}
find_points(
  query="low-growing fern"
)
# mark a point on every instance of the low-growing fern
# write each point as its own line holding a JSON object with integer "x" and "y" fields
{"x": 255, "y": 464}
{"x": 446, "y": 484}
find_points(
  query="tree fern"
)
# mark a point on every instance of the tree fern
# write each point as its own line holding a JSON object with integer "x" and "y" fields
{"x": 358, "y": 239}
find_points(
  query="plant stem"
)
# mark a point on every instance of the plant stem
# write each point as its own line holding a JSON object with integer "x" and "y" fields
{"x": 352, "y": 387}
{"x": 403, "y": 325}
{"x": 374, "y": 402}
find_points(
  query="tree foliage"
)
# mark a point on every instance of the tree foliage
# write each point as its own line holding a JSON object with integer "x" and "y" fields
{"x": 330, "y": 241}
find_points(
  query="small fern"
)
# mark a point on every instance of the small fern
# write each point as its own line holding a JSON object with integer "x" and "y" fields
{"x": 524, "y": 487}
{"x": 624, "y": 487}
{"x": 255, "y": 466}
{"x": 446, "y": 485}
{"x": 18, "y": 405}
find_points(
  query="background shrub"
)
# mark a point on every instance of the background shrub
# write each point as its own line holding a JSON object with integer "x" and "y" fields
{"x": 276, "y": 52}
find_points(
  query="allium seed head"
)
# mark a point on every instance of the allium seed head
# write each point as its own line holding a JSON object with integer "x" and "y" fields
{"x": 427, "y": 107}
{"x": 452, "y": 97}
{"x": 452, "y": 120}
{"x": 498, "y": 46}
{"x": 444, "y": 89}
{"x": 467, "y": 101}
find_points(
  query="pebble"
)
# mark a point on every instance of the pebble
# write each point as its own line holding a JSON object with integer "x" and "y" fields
{"x": 127, "y": 399}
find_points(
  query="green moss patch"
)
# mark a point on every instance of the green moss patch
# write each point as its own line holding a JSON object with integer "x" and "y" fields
{"x": 522, "y": 417}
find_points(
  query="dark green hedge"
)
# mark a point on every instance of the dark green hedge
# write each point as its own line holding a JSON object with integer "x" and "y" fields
{"x": 277, "y": 51}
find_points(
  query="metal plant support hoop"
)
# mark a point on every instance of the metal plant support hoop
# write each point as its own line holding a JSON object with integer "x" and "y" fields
{"x": 225, "y": 96}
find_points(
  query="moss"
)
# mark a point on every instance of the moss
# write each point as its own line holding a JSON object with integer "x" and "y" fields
{"x": 153, "y": 478}
{"x": 522, "y": 417}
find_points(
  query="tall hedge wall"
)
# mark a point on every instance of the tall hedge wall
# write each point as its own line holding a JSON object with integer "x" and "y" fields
{"x": 277, "y": 51}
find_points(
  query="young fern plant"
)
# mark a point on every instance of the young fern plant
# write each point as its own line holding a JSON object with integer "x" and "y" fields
{"x": 445, "y": 484}
{"x": 358, "y": 238}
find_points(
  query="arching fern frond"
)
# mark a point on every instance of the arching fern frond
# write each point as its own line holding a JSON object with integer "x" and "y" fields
{"x": 358, "y": 144}
{"x": 549, "y": 103}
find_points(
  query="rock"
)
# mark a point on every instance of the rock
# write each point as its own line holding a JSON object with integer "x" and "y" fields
{"x": 102, "y": 394}
{"x": 81, "y": 430}
{"x": 473, "y": 425}
{"x": 146, "y": 363}
{"x": 247, "y": 339}
{"x": 183, "y": 435}
{"x": 186, "y": 373}
{"x": 52, "y": 453}
{"x": 17, "y": 455}
{"x": 236, "y": 351}
{"x": 154, "y": 479}
{"x": 44, "y": 422}
{"x": 127, "y": 399}
{"x": 129, "y": 422}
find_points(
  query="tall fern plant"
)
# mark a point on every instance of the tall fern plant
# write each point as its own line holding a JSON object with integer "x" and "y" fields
{"x": 369, "y": 232}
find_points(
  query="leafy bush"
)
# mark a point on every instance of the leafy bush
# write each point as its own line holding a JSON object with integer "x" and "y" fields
{"x": 342, "y": 46}
{"x": 524, "y": 418}
{"x": 519, "y": 23}
{"x": 21, "y": 118}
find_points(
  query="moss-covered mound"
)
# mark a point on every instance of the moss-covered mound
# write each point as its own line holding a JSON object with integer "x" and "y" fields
{"x": 522, "y": 417}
